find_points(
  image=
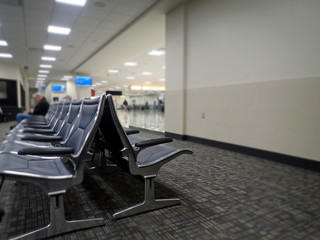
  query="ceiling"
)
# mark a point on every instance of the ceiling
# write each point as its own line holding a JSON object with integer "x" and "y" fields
{"x": 104, "y": 35}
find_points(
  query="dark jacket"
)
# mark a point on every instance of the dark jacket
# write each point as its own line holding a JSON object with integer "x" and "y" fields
{"x": 42, "y": 107}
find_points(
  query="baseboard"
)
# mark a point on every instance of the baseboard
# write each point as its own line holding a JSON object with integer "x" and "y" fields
{"x": 175, "y": 136}
{"x": 277, "y": 157}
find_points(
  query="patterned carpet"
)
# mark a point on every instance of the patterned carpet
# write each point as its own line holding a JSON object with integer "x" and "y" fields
{"x": 224, "y": 195}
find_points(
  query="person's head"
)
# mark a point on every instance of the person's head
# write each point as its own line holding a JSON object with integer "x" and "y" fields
{"x": 67, "y": 98}
{"x": 37, "y": 97}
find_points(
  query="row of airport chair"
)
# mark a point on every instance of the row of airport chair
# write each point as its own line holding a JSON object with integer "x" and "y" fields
{"x": 58, "y": 167}
{"x": 58, "y": 161}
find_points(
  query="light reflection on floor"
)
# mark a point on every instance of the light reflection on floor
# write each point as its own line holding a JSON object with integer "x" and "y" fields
{"x": 148, "y": 119}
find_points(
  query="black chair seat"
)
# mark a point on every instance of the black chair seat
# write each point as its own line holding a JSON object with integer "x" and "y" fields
{"x": 153, "y": 155}
{"x": 18, "y": 165}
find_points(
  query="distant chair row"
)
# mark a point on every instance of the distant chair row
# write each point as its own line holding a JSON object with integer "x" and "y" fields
{"x": 51, "y": 152}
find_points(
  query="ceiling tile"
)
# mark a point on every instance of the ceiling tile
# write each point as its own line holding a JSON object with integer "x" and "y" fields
{"x": 63, "y": 20}
{"x": 127, "y": 9}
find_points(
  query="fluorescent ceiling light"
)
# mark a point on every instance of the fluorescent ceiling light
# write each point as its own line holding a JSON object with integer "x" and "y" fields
{"x": 52, "y": 47}
{"x": 45, "y": 66}
{"x": 147, "y": 82}
{"x": 163, "y": 67}
{"x": 156, "y": 53}
{"x": 130, "y": 64}
{"x": 162, "y": 79}
{"x": 125, "y": 86}
{"x": 113, "y": 71}
{"x": 73, "y": 2}
{"x": 117, "y": 87}
{"x": 104, "y": 81}
{"x": 41, "y": 79}
{"x": 42, "y": 76}
{"x": 131, "y": 78}
{"x": 59, "y": 30}
{"x": 3, "y": 43}
{"x": 146, "y": 73}
{"x": 5, "y": 55}
{"x": 44, "y": 71}
{"x": 67, "y": 77}
{"x": 98, "y": 83}
{"x": 48, "y": 59}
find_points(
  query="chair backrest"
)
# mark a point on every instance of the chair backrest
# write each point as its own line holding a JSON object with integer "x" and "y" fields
{"x": 55, "y": 116}
{"x": 115, "y": 137}
{"x": 62, "y": 116}
{"x": 83, "y": 131}
{"x": 51, "y": 112}
{"x": 70, "y": 120}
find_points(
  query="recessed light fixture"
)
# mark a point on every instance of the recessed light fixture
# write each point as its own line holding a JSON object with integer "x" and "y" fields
{"x": 45, "y": 66}
{"x": 44, "y": 71}
{"x": 156, "y": 53}
{"x": 104, "y": 81}
{"x": 67, "y": 77}
{"x": 5, "y": 55}
{"x": 117, "y": 87}
{"x": 147, "y": 82}
{"x": 41, "y": 79}
{"x": 59, "y": 30}
{"x": 52, "y": 47}
{"x": 43, "y": 76}
{"x": 125, "y": 86}
{"x": 113, "y": 71}
{"x": 163, "y": 67}
{"x": 73, "y": 2}
{"x": 52, "y": 59}
{"x": 162, "y": 79}
{"x": 3, "y": 43}
{"x": 130, "y": 64}
{"x": 131, "y": 78}
{"x": 146, "y": 73}
{"x": 98, "y": 83}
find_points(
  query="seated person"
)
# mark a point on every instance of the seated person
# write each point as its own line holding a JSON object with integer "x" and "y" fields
{"x": 40, "y": 109}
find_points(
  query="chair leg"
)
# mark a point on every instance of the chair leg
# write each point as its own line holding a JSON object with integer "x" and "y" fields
{"x": 58, "y": 224}
{"x": 149, "y": 203}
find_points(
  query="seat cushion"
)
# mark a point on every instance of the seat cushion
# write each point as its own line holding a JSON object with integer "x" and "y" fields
{"x": 17, "y": 165}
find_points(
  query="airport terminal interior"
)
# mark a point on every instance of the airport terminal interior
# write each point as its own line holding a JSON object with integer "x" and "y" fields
{"x": 166, "y": 119}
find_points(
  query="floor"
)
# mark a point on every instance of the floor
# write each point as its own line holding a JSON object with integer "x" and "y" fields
{"x": 224, "y": 195}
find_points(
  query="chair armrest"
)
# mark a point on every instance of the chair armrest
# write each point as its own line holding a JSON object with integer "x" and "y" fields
{"x": 37, "y": 126}
{"x": 132, "y": 131}
{"x": 41, "y": 131}
{"x": 43, "y": 138}
{"x": 54, "y": 151}
{"x": 34, "y": 123}
{"x": 152, "y": 142}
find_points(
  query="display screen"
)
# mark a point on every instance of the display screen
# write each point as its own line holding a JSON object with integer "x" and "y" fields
{"x": 58, "y": 88}
{"x": 84, "y": 81}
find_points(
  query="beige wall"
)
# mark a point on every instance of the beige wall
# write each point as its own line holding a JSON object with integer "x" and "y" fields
{"x": 252, "y": 74}
{"x": 71, "y": 89}
{"x": 175, "y": 71}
